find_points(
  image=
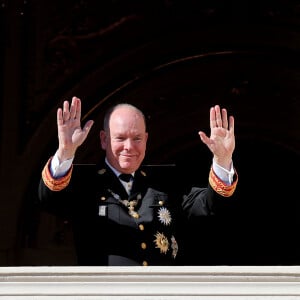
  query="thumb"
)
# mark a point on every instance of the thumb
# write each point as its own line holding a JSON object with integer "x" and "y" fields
{"x": 87, "y": 127}
{"x": 203, "y": 137}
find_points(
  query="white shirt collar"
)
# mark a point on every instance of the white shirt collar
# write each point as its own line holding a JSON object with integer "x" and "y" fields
{"x": 117, "y": 173}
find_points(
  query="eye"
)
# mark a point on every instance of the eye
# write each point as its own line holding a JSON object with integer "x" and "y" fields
{"x": 119, "y": 138}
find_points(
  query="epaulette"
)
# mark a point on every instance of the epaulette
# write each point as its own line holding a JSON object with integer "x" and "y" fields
{"x": 143, "y": 173}
{"x": 101, "y": 171}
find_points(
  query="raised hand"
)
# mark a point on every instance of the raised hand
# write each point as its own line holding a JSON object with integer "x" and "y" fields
{"x": 222, "y": 140}
{"x": 70, "y": 133}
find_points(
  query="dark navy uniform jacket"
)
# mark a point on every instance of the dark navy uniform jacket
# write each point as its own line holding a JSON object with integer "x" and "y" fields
{"x": 104, "y": 231}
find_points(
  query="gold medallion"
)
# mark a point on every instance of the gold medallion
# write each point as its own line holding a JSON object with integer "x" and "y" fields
{"x": 161, "y": 242}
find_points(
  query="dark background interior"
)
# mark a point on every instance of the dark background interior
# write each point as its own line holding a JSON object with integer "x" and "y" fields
{"x": 174, "y": 60}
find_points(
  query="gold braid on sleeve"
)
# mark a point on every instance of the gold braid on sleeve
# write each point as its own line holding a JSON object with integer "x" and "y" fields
{"x": 55, "y": 184}
{"x": 219, "y": 186}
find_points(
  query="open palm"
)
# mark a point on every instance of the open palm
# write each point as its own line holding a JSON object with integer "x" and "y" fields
{"x": 70, "y": 133}
{"x": 222, "y": 140}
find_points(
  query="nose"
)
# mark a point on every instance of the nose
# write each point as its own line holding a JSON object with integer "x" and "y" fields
{"x": 128, "y": 144}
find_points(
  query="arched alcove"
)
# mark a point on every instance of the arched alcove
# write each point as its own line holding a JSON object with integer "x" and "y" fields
{"x": 176, "y": 97}
{"x": 174, "y": 59}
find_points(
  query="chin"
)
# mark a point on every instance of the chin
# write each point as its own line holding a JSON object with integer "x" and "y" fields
{"x": 127, "y": 167}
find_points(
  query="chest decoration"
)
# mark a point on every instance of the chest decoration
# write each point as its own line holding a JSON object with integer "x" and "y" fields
{"x": 162, "y": 243}
{"x": 163, "y": 240}
{"x": 174, "y": 246}
{"x": 129, "y": 204}
{"x": 164, "y": 216}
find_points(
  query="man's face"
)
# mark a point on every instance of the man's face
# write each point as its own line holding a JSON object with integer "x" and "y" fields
{"x": 125, "y": 143}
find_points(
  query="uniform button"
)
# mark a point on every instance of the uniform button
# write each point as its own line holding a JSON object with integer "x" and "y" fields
{"x": 135, "y": 215}
{"x": 103, "y": 198}
{"x": 145, "y": 263}
{"x": 141, "y": 227}
{"x": 161, "y": 202}
{"x": 143, "y": 246}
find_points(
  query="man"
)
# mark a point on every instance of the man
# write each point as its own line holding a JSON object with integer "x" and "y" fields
{"x": 120, "y": 220}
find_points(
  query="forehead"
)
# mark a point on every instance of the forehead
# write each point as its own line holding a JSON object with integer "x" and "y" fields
{"x": 126, "y": 114}
{"x": 127, "y": 118}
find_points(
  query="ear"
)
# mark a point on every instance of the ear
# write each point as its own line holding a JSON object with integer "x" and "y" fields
{"x": 103, "y": 139}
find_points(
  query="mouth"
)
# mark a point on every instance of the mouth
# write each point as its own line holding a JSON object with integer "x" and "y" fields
{"x": 126, "y": 155}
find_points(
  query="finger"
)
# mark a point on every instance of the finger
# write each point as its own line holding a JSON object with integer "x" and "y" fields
{"x": 231, "y": 124}
{"x": 66, "y": 111}
{"x": 218, "y": 116}
{"x": 73, "y": 108}
{"x": 224, "y": 118}
{"x": 78, "y": 109}
{"x": 87, "y": 127}
{"x": 212, "y": 118}
{"x": 59, "y": 117}
{"x": 204, "y": 138}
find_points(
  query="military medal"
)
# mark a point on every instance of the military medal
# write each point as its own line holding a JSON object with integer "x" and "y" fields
{"x": 130, "y": 204}
{"x": 164, "y": 216}
{"x": 131, "y": 207}
{"x": 174, "y": 246}
{"x": 161, "y": 242}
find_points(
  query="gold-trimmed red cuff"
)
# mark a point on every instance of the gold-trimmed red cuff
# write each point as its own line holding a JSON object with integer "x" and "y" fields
{"x": 55, "y": 184}
{"x": 219, "y": 186}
